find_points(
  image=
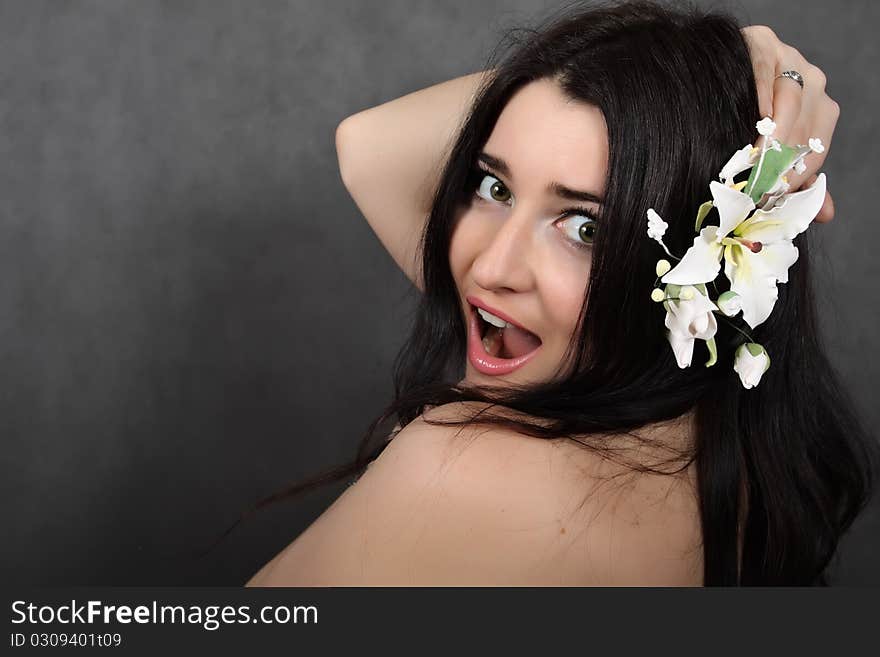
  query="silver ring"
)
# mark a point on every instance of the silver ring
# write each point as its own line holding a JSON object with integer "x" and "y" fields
{"x": 791, "y": 75}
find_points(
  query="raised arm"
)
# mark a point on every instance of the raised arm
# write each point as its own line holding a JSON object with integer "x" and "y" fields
{"x": 390, "y": 157}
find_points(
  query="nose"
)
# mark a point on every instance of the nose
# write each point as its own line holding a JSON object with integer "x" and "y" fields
{"x": 505, "y": 262}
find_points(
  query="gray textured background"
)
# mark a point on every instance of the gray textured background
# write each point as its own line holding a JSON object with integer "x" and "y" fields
{"x": 193, "y": 312}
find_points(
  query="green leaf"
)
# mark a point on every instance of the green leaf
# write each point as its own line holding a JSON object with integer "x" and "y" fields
{"x": 701, "y": 214}
{"x": 673, "y": 290}
{"x": 713, "y": 352}
{"x": 774, "y": 164}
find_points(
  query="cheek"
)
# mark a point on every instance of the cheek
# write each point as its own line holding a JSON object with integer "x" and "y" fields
{"x": 465, "y": 244}
{"x": 563, "y": 294}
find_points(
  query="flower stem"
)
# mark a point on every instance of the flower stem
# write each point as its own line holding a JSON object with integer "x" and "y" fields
{"x": 660, "y": 242}
{"x": 760, "y": 162}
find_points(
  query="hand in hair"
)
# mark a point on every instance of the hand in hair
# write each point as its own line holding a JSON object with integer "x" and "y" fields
{"x": 798, "y": 113}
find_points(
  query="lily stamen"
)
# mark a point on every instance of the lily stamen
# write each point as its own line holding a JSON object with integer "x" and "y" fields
{"x": 754, "y": 247}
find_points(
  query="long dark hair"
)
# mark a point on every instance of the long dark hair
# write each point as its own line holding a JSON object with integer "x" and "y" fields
{"x": 786, "y": 466}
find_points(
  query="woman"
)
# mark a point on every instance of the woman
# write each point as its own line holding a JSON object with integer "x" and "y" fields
{"x": 573, "y": 450}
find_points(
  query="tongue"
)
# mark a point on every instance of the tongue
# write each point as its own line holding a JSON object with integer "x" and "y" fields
{"x": 518, "y": 342}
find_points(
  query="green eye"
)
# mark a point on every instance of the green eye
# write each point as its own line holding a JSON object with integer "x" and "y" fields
{"x": 492, "y": 191}
{"x": 587, "y": 231}
{"x": 579, "y": 225}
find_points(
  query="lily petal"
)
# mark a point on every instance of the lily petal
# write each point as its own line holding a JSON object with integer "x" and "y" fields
{"x": 733, "y": 207}
{"x": 753, "y": 277}
{"x": 682, "y": 346}
{"x": 692, "y": 317}
{"x": 777, "y": 259}
{"x": 787, "y": 219}
{"x": 676, "y": 321}
{"x": 739, "y": 162}
{"x": 701, "y": 263}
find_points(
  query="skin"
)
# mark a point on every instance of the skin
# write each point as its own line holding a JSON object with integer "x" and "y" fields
{"x": 497, "y": 508}
{"x": 513, "y": 247}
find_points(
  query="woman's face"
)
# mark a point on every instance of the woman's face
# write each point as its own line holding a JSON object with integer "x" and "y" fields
{"x": 522, "y": 247}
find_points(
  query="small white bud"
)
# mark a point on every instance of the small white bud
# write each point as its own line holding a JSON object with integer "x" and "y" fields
{"x": 662, "y": 267}
{"x": 751, "y": 361}
{"x": 766, "y": 126}
{"x": 729, "y": 303}
{"x": 656, "y": 226}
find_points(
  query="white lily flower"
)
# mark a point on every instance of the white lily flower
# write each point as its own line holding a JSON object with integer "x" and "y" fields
{"x": 702, "y": 262}
{"x": 750, "y": 363}
{"x": 739, "y": 162}
{"x": 689, "y": 320}
{"x": 766, "y": 126}
{"x": 757, "y": 250}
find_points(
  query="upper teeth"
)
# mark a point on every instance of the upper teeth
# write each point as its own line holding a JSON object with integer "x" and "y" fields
{"x": 492, "y": 319}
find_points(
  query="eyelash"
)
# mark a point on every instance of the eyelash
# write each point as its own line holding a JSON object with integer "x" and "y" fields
{"x": 477, "y": 177}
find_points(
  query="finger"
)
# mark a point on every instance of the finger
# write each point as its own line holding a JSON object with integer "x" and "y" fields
{"x": 787, "y": 100}
{"x": 761, "y": 41}
{"x": 808, "y": 183}
{"x": 815, "y": 107}
{"x": 826, "y": 212}
{"x": 764, "y": 86}
{"x": 821, "y": 126}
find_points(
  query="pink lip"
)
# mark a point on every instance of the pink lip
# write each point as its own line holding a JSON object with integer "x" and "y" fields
{"x": 482, "y": 361}
{"x": 476, "y": 302}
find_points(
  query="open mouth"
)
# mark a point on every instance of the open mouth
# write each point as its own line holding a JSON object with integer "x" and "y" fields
{"x": 505, "y": 342}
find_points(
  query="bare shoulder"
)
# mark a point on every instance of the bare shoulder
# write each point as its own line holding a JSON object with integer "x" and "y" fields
{"x": 601, "y": 522}
{"x": 482, "y": 505}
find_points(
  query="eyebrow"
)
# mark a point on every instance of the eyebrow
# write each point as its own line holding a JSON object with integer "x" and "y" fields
{"x": 556, "y": 188}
